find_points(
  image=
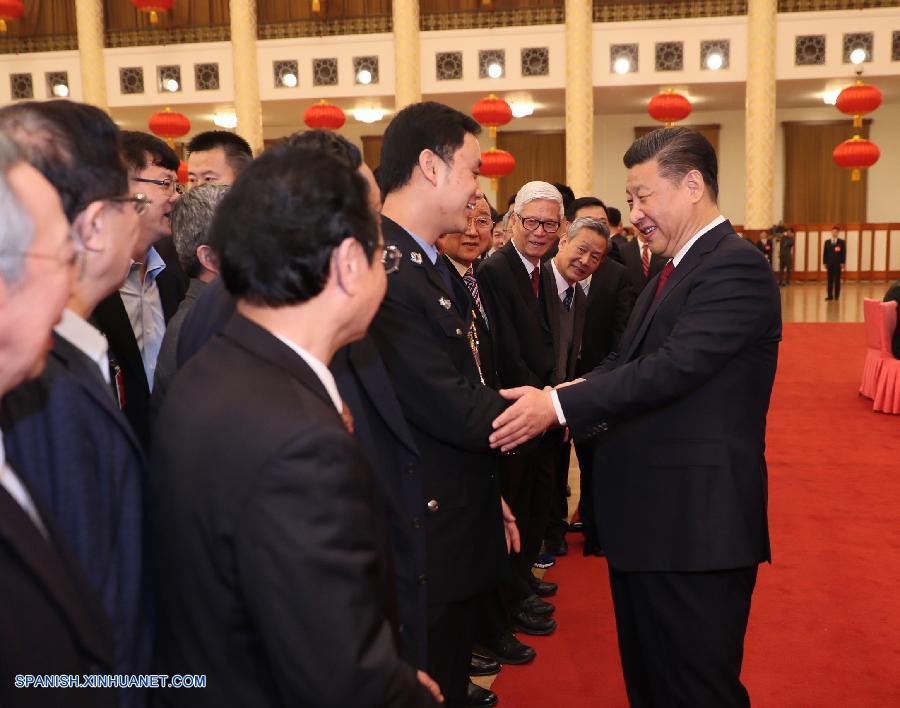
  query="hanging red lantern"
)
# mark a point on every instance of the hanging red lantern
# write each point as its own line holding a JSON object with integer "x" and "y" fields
{"x": 856, "y": 154}
{"x": 153, "y": 7}
{"x": 669, "y": 107}
{"x": 496, "y": 163}
{"x": 324, "y": 115}
{"x": 857, "y": 100}
{"x": 169, "y": 124}
{"x": 10, "y": 10}
{"x": 182, "y": 172}
{"x": 492, "y": 112}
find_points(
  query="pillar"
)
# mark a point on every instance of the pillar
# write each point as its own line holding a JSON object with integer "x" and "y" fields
{"x": 247, "y": 106}
{"x": 89, "y": 20}
{"x": 407, "y": 66}
{"x": 760, "y": 116}
{"x": 579, "y": 97}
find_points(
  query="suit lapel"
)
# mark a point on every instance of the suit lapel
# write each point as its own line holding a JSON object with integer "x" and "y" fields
{"x": 111, "y": 317}
{"x": 552, "y": 306}
{"x": 523, "y": 284}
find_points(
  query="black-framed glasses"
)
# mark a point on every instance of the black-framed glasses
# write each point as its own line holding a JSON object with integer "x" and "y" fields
{"x": 531, "y": 223}
{"x": 481, "y": 222}
{"x": 168, "y": 184}
{"x": 390, "y": 259}
{"x": 139, "y": 201}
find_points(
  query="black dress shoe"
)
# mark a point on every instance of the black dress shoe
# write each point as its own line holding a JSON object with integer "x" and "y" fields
{"x": 478, "y": 696}
{"x": 506, "y": 649}
{"x": 530, "y": 623}
{"x": 536, "y": 606}
{"x": 543, "y": 589}
{"x": 483, "y": 666}
{"x": 556, "y": 546}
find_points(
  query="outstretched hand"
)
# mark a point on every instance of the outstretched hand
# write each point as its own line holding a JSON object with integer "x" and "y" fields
{"x": 530, "y": 415}
{"x": 513, "y": 541}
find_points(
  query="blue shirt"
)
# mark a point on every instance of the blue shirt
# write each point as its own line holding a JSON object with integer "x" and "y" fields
{"x": 145, "y": 312}
{"x": 430, "y": 249}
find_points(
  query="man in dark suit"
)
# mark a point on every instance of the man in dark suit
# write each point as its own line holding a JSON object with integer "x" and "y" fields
{"x": 679, "y": 416}
{"x": 766, "y": 246}
{"x": 834, "y": 257}
{"x": 642, "y": 263}
{"x": 786, "y": 241}
{"x": 617, "y": 238}
{"x": 64, "y": 433}
{"x": 271, "y": 558}
{"x": 134, "y": 318}
{"x": 50, "y": 620}
{"x": 425, "y": 333}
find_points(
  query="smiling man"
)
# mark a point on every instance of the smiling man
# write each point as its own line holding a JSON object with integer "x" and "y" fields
{"x": 679, "y": 418}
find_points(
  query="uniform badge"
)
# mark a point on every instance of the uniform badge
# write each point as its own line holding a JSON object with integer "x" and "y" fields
{"x": 445, "y": 303}
{"x": 416, "y": 257}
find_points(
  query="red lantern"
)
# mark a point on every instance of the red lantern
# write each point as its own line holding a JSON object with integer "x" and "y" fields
{"x": 857, "y": 100}
{"x": 492, "y": 112}
{"x": 496, "y": 163}
{"x": 856, "y": 154}
{"x": 669, "y": 107}
{"x": 153, "y": 7}
{"x": 324, "y": 115}
{"x": 10, "y": 10}
{"x": 182, "y": 172}
{"x": 169, "y": 124}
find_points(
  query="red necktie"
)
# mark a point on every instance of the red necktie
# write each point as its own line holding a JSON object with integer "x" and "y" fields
{"x": 536, "y": 281}
{"x": 663, "y": 277}
{"x": 645, "y": 259}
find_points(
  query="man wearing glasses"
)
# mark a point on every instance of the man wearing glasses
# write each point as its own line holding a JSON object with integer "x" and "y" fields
{"x": 526, "y": 353}
{"x": 134, "y": 318}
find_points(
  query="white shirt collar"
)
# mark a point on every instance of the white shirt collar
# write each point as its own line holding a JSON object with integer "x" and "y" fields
{"x": 529, "y": 266}
{"x": 686, "y": 247}
{"x": 460, "y": 268}
{"x": 319, "y": 369}
{"x": 561, "y": 283}
{"x": 83, "y": 335}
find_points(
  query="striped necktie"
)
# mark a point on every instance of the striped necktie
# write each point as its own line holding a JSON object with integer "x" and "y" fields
{"x": 472, "y": 284}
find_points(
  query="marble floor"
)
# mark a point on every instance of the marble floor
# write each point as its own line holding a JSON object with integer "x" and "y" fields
{"x": 805, "y": 301}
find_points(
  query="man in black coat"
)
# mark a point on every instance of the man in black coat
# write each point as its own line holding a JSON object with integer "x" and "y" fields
{"x": 834, "y": 257}
{"x": 50, "y": 620}
{"x": 271, "y": 553}
{"x": 426, "y": 335}
{"x": 679, "y": 414}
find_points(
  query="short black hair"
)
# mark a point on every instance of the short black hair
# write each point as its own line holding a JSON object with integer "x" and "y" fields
{"x": 275, "y": 230}
{"x": 330, "y": 142}
{"x": 141, "y": 150}
{"x": 238, "y": 153}
{"x": 420, "y": 126}
{"x": 614, "y": 216}
{"x": 677, "y": 151}
{"x": 568, "y": 196}
{"x": 76, "y": 146}
{"x": 581, "y": 203}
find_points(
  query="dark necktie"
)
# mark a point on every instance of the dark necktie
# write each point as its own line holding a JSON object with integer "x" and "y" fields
{"x": 663, "y": 277}
{"x": 645, "y": 259}
{"x": 567, "y": 300}
{"x": 536, "y": 280}
{"x": 472, "y": 284}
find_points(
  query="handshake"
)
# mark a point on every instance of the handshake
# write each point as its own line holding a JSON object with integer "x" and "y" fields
{"x": 534, "y": 411}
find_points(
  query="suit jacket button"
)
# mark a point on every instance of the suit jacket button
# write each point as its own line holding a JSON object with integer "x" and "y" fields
{"x": 458, "y": 332}
{"x": 433, "y": 505}
{"x": 423, "y": 579}
{"x": 411, "y": 468}
{"x": 417, "y": 523}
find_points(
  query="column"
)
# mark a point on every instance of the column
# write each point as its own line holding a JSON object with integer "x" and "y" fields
{"x": 247, "y": 106}
{"x": 760, "y": 116}
{"x": 89, "y": 19}
{"x": 407, "y": 66}
{"x": 579, "y": 97}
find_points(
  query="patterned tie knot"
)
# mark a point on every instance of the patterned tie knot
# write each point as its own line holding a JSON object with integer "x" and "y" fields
{"x": 570, "y": 295}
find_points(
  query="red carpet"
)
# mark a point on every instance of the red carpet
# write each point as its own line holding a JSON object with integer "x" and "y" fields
{"x": 825, "y": 624}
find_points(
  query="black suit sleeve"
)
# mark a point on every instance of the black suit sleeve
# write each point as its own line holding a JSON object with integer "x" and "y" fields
{"x": 309, "y": 526}
{"x": 722, "y": 314}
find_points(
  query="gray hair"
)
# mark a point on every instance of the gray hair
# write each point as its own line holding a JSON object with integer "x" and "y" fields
{"x": 505, "y": 220}
{"x": 16, "y": 226}
{"x": 588, "y": 222}
{"x": 191, "y": 217}
{"x": 533, "y": 191}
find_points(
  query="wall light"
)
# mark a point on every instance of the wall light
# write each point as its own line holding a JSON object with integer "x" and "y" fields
{"x": 368, "y": 115}
{"x": 225, "y": 119}
{"x": 364, "y": 76}
{"x": 858, "y": 55}
{"x": 521, "y": 109}
{"x": 714, "y": 61}
{"x": 494, "y": 70}
{"x": 60, "y": 90}
{"x": 622, "y": 65}
{"x": 289, "y": 80}
{"x": 830, "y": 96}
{"x": 170, "y": 85}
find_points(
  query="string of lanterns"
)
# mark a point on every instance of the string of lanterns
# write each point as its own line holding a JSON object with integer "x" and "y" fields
{"x": 493, "y": 112}
{"x": 857, "y": 153}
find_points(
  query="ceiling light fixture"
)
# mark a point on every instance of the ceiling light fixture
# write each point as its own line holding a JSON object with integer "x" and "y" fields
{"x": 622, "y": 65}
{"x": 60, "y": 90}
{"x": 364, "y": 76}
{"x": 494, "y": 70}
{"x": 170, "y": 85}
{"x": 368, "y": 115}
{"x": 289, "y": 80}
{"x": 714, "y": 61}
{"x": 225, "y": 119}
{"x": 858, "y": 56}
{"x": 521, "y": 109}
{"x": 830, "y": 96}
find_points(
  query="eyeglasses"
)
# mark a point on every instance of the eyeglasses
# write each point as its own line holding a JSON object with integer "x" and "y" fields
{"x": 140, "y": 202}
{"x": 390, "y": 259}
{"x": 530, "y": 223}
{"x": 482, "y": 223}
{"x": 168, "y": 184}
{"x": 69, "y": 261}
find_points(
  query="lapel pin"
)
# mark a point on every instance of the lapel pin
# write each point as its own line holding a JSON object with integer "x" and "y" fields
{"x": 416, "y": 257}
{"x": 445, "y": 303}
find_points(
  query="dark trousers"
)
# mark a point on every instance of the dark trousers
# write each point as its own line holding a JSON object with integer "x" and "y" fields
{"x": 585, "y": 453}
{"x": 559, "y": 509}
{"x": 785, "y": 267}
{"x": 451, "y": 631}
{"x": 681, "y": 636}
{"x": 834, "y": 282}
